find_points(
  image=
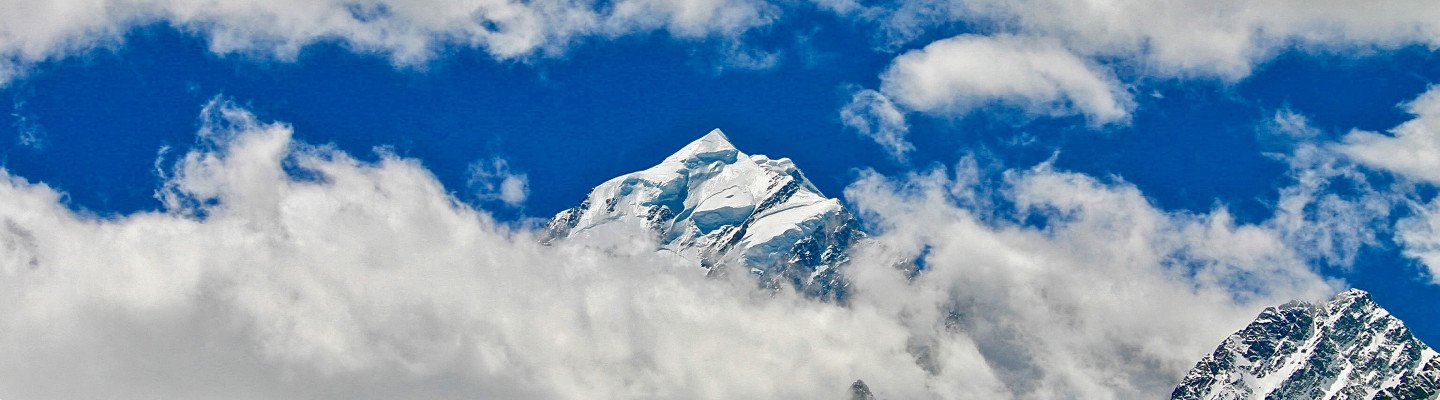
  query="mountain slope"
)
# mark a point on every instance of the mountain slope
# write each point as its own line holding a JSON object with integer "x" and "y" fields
{"x": 1346, "y": 348}
{"x": 713, "y": 205}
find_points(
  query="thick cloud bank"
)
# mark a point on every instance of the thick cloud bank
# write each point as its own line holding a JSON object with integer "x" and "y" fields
{"x": 278, "y": 269}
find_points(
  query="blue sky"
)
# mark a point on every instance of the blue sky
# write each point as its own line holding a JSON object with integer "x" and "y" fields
{"x": 1193, "y": 132}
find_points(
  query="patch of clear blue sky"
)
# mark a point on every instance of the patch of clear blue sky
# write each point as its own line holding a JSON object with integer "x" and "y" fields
{"x": 614, "y": 107}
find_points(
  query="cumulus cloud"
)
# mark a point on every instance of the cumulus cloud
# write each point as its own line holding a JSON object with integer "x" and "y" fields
{"x": 1063, "y": 66}
{"x": 408, "y": 32}
{"x": 492, "y": 180}
{"x": 968, "y": 73}
{"x": 961, "y": 74}
{"x": 280, "y": 269}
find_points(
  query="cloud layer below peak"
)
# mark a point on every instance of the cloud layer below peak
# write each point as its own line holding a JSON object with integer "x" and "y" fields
{"x": 255, "y": 282}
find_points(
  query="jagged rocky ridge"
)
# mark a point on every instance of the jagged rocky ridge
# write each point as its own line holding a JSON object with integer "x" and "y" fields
{"x": 715, "y": 206}
{"x": 1346, "y": 348}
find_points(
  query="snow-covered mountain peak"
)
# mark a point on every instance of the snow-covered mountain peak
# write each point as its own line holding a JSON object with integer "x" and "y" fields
{"x": 1345, "y": 348}
{"x": 709, "y": 203}
{"x": 714, "y": 146}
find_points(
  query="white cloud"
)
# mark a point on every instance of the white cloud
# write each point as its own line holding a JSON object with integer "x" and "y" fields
{"x": 369, "y": 280}
{"x": 1412, "y": 149}
{"x": 1190, "y": 38}
{"x": 1110, "y": 298}
{"x": 492, "y": 180}
{"x": 874, "y": 116}
{"x": 690, "y": 18}
{"x": 1055, "y": 57}
{"x": 408, "y": 32}
{"x": 965, "y": 73}
{"x": 1331, "y": 210}
{"x": 1336, "y": 207}
{"x": 1419, "y": 234}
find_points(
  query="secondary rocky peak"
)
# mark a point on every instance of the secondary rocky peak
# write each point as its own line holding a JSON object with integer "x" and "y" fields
{"x": 1345, "y": 348}
{"x": 859, "y": 391}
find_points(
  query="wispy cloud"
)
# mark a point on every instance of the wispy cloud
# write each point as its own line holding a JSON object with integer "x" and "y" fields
{"x": 28, "y": 131}
{"x": 1410, "y": 151}
{"x": 408, "y": 32}
{"x": 493, "y": 180}
{"x": 1191, "y": 38}
{"x": 873, "y": 115}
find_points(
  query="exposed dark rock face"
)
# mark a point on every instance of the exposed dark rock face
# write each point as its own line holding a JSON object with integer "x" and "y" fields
{"x": 1346, "y": 348}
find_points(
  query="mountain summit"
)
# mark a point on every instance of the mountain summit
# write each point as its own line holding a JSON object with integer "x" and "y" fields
{"x": 1346, "y": 348}
{"x": 713, "y": 205}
